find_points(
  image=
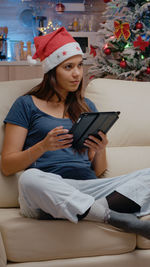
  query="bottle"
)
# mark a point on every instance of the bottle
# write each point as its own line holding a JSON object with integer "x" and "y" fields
{"x": 21, "y": 50}
{"x": 90, "y": 25}
{"x": 75, "y": 25}
{"x": 29, "y": 49}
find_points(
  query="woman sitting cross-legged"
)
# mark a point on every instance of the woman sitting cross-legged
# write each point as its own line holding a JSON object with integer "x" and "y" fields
{"x": 58, "y": 182}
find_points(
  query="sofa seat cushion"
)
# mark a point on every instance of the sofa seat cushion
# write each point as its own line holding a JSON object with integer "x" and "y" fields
{"x": 137, "y": 258}
{"x": 28, "y": 239}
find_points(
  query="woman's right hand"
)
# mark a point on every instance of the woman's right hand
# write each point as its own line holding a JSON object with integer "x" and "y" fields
{"x": 57, "y": 138}
{"x": 15, "y": 159}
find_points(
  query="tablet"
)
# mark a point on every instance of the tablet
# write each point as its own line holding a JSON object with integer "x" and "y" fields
{"x": 90, "y": 123}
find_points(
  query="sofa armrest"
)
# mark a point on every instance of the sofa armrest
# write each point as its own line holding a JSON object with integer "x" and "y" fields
{"x": 3, "y": 258}
{"x": 9, "y": 191}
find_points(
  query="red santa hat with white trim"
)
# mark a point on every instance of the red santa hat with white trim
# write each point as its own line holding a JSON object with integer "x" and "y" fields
{"x": 54, "y": 48}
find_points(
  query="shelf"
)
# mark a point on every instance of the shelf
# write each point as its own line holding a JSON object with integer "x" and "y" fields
{"x": 17, "y": 63}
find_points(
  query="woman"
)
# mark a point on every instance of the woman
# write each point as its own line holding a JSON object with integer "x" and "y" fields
{"x": 58, "y": 182}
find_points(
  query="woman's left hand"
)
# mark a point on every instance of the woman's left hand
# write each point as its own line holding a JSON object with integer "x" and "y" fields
{"x": 96, "y": 144}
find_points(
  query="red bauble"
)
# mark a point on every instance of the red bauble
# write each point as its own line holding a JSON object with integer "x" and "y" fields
{"x": 123, "y": 64}
{"x": 60, "y": 8}
{"x": 107, "y": 1}
{"x": 139, "y": 26}
{"x": 107, "y": 51}
{"x": 148, "y": 70}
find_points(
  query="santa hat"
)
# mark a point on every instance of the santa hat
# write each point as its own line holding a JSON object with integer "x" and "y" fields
{"x": 53, "y": 48}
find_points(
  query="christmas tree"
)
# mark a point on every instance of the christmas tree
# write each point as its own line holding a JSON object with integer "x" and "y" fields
{"x": 124, "y": 47}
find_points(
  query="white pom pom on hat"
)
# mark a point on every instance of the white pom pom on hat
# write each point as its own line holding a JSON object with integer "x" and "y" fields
{"x": 54, "y": 48}
{"x": 31, "y": 60}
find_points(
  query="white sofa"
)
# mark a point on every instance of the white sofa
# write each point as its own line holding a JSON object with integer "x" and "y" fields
{"x": 28, "y": 242}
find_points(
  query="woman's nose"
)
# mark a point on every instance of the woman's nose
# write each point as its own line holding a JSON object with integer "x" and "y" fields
{"x": 76, "y": 72}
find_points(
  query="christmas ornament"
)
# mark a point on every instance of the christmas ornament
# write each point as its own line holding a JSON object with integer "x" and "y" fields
{"x": 122, "y": 29}
{"x": 141, "y": 43}
{"x": 139, "y": 26}
{"x": 91, "y": 77}
{"x": 60, "y": 8}
{"x": 107, "y": 51}
{"x": 123, "y": 64}
{"x": 92, "y": 51}
{"x": 148, "y": 70}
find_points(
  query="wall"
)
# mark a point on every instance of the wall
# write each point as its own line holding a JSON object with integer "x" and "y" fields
{"x": 25, "y": 27}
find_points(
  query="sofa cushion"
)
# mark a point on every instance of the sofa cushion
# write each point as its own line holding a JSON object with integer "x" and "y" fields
{"x": 107, "y": 94}
{"x": 8, "y": 191}
{"x": 28, "y": 239}
{"x": 136, "y": 258}
{"x": 122, "y": 160}
{"x": 3, "y": 259}
{"x": 132, "y": 99}
{"x": 143, "y": 243}
{"x": 9, "y": 91}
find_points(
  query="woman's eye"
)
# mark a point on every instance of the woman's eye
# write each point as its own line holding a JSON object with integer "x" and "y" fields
{"x": 81, "y": 64}
{"x": 67, "y": 67}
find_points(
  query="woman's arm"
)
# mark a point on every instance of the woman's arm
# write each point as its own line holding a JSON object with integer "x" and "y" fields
{"x": 14, "y": 159}
{"x": 99, "y": 162}
{"x": 97, "y": 153}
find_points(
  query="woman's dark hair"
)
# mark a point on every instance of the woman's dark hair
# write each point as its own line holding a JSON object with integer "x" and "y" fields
{"x": 74, "y": 104}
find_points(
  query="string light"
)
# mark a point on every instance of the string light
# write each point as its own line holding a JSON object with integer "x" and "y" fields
{"x": 51, "y": 26}
{"x": 127, "y": 45}
{"x": 105, "y": 46}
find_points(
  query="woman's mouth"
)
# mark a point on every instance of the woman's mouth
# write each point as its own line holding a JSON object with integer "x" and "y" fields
{"x": 75, "y": 82}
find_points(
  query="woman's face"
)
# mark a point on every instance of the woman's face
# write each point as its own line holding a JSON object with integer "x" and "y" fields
{"x": 69, "y": 75}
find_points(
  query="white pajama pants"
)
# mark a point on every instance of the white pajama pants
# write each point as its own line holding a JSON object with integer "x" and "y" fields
{"x": 67, "y": 198}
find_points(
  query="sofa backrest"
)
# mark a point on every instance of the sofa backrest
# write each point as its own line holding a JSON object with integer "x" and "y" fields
{"x": 132, "y": 128}
{"x": 9, "y": 91}
{"x": 132, "y": 99}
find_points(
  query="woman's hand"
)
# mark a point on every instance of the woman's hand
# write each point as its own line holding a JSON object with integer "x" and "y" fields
{"x": 96, "y": 144}
{"x": 58, "y": 138}
{"x": 15, "y": 159}
{"x": 97, "y": 152}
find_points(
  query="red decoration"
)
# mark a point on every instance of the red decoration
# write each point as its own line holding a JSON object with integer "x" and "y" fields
{"x": 139, "y": 26}
{"x": 93, "y": 51}
{"x": 123, "y": 64}
{"x": 91, "y": 77}
{"x": 148, "y": 70}
{"x": 107, "y": 1}
{"x": 78, "y": 48}
{"x": 107, "y": 51}
{"x": 141, "y": 43}
{"x": 122, "y": 29}
{"x": 60, "y": 8}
